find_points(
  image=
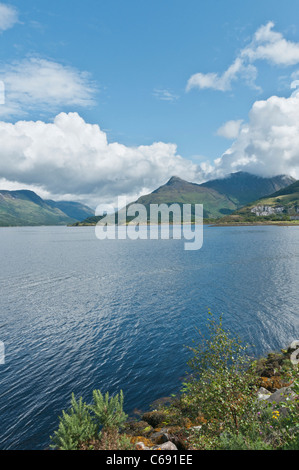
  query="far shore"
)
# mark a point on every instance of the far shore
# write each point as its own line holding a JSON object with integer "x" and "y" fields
{"x": 258, "y": 224}
{"x": 294, "y": 223}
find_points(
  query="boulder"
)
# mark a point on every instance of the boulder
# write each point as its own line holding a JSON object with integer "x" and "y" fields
{"x": 141, "y": 446}
{"x": 138, "y": 428}
{"x": 293, "y": 347}
{"x": 166, "y": 446}
{"x": 263, "y": 394}
{"x": 161, "y": 436}
{"x": 154, "y": 418}
{"x": 281, "y": 395}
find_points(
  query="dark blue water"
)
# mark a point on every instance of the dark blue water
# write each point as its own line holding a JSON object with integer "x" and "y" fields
{"x": 78, "y": 314}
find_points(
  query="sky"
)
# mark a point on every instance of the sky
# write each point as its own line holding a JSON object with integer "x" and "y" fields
{"x": 108, "y": 98}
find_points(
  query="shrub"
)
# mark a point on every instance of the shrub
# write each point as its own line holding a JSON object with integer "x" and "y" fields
{"x": 108, "y": 440}
{"x": 242, "y": 442}
{"x": 223, "y": 386}
{"x": 75, "y": 426}
{"x": 98, "y": 422}
{"x": 287, "y": 416}
{"x": 108, "y": 411}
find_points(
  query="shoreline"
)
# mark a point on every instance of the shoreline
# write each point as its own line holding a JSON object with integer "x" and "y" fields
{"x": 211, "y": 224}
{"x": 257, "y": 224}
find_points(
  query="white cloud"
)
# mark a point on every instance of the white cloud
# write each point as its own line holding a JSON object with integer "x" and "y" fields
{"x": 269, "y": 143}
{"x": 71, "y": 157}
{"x": 8, "y": 17}
{"x": 271, "y": 46}
{"x": 266, "y": 45}
{"x": 165, "y": 95}
{"x": 15, "y": 186}
{"x": 43, "y": 85}
{"x": 230, "y": 130}
{"x": 223, "y": 82}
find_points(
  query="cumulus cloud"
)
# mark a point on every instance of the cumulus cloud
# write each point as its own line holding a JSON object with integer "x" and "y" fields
{"x": 267, "y": 45}
{"x": 71, "y": 158}
{"x": 268, "y": 144}
{"x": 43, "y": 85}
{"x": 230, "y": 130}
{"x": 8, "y": 17}
{"x": 223, "y": 82}
{"x": 271, "y": 46}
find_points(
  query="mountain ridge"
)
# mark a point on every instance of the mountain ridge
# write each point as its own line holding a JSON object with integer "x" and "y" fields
{"x": 281, "y": 206}
{"x": 220, "y": 196}
{"x": 26, "y": 208}
{"x": 217, "y": 196}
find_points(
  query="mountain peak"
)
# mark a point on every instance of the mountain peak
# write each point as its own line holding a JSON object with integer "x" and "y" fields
{"x": 175, "y": 179}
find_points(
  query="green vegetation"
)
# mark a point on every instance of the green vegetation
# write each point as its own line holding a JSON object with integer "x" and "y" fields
{"x": 75, "y": 426}
{"x": 109, "y": 411}
{"x": 223, "y": 390}
{"x": 244, "y": 188}
{"x": 25, "y": 208}
{"x": 285, "y": 202}
{"x": 217, "y": 409}
{"x": 224, "y": 383}
{"x": 219, "y": 197}
{"x": 90, "y": 427}
{"x": 74, "y": 210}
{"x": 178, "y": 191}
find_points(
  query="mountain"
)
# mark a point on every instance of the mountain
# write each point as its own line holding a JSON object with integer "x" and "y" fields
{"x": 219, "y": 197}
{"x": 26, "y": 208}
{"x": 242, "y": 187}
{"x": 283, "y": 205}
{"x": 178, "y": 191}
{"x": 74, "y": 210}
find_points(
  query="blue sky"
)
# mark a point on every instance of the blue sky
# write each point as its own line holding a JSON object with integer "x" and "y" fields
{"x": 146, "y": 72}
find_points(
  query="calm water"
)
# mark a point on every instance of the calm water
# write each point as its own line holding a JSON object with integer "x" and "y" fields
{"x": 78, "y": 314}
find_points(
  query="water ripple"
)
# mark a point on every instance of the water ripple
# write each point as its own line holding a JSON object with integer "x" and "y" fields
{"x": 78, "y": 314}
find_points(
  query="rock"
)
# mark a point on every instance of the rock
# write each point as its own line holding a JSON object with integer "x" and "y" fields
{"x": 270, "y": 366}
{"x": 267, "y": 210}
{"x": 166, "y": 446}
{"x": 139, "y": 428}
{"x": 273, "y": 384}
{"x": 162, "y": 402}
{"x": 154, "y": 418}
{"x": 293, "y": 347}
{"x": 281, "y": 395}
{"x": 180, "y": 440}
{"x": 263, "y": 394}
{"x": 141, "y": 446}
{"x": 161, "y": 436}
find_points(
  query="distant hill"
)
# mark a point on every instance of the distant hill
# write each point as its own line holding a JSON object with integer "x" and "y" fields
{"x": 283, "y": 205}
{"x": 74, "y": 210}
{"x": 244, "y": 188}
{"x": 178, "y": 191}
{"x": 26, "y": 208}
{"x": 219, "y": 197}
